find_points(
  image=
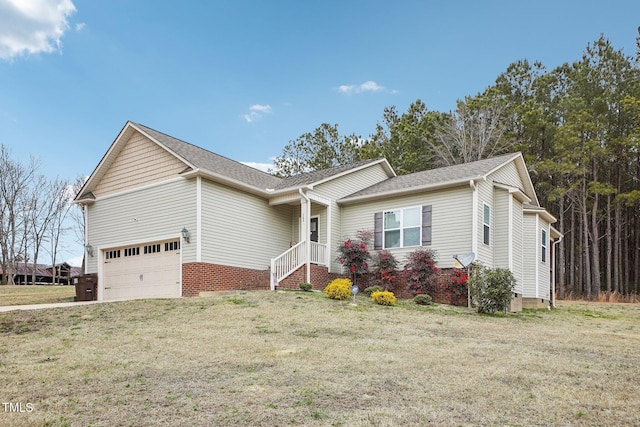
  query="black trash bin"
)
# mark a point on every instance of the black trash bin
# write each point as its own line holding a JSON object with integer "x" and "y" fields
{"x": 86, "y": 287}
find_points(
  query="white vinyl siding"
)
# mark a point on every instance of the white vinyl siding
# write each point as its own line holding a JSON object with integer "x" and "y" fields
{"x": 140, "y": 162}
{"x": 341, "y": 187}
{"x": 502, "y": 230}
{"x": 530, "y": 248}
{"x": 451, "y": 220}
{"x": 150, "y": 214}
{"x": 240, "y": 229}
{"x": 516, "y": 244}
{"x": 507, "y": 174}
{"x": 485, "y": 197}
{"x": 544, "y": 278}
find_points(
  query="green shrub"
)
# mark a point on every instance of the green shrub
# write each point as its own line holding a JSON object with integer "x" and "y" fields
{"x": 491, "y": 288}
{"x": 372, "y": 289}
{"x": 423, "y": 299}
{"x": 305, "y": 286}
{"x": 338, "y": 289}
{"x": 383, "y": 298}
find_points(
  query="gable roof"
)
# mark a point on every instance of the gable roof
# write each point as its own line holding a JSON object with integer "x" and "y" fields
{"x": 320, "y": 176}
{"x": 444, "y": 177}
{"x": 200, "y": 159}
{"x": 201, "y": 162}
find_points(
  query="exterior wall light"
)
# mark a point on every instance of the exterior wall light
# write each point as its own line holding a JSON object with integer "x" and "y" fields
{"x": 89, "y": 249}
{"x": 185, "y": 235}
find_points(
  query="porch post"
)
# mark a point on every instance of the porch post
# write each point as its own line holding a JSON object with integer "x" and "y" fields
{"x": 305, "y": 213}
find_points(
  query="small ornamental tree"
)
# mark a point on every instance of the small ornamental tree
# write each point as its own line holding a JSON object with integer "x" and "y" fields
{"x": 354, "y": 255}
{"x": 385, "y": 269}
{"x": 421, "y": 271}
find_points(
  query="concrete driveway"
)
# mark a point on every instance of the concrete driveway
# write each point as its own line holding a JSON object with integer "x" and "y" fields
{"x": 40, "y": 306}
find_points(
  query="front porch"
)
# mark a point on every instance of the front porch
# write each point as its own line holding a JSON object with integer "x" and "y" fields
{"x": 311, "y": 226}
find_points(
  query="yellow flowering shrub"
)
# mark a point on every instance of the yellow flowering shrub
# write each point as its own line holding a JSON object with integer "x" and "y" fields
{"x": 383, "y": 298}
{"x": 338, "y": 289}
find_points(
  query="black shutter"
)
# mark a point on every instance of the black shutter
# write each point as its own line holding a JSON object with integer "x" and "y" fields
{"x": 377, "y": 232}
{"x": 426, "y": 225}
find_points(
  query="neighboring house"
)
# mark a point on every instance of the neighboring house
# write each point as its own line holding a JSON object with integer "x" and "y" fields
{"x": 44, "y": 274}
{"x": 165, "y": 218}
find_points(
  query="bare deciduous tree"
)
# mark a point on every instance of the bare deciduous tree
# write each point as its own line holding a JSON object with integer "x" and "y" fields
{"x": 472, "y": 133}
{"x": 44, "y": 207}
{"x": 14, "y": 184}
{"x": 62, "y": 194}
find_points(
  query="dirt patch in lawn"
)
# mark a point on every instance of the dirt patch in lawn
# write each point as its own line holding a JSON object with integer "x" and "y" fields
{"x": 294, "y": 358}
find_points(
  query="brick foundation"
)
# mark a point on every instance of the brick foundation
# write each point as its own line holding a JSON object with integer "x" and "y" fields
{"x": 200, "y": 276}
{"x": 443, "y": 293}
{"x": 320, "y": 276}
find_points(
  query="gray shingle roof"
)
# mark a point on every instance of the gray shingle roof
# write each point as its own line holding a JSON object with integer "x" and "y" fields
{"x": 204, "y": 159}
{"x": 209, "y": 161}
{"x": 449, "y": 174}
{"x": 316, "y": 176}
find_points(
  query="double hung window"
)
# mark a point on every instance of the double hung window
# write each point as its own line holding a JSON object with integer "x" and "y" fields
{"x": 402, "y": 227}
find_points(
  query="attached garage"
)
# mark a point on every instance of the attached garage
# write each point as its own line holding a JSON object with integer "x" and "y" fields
{"x": 151, "y": 270}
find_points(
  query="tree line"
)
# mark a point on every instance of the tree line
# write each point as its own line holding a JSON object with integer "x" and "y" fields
{"x": 578, "y": 126}
{"x": 33, "y": 215}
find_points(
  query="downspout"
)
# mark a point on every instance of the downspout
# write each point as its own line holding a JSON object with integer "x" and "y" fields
{"x": 474, "y": 216}
{"x": 474, "y": 230}
{"x": 305, "y": 230}
{"x": 198, "y": 220}
{"x": 553, "y": 273}
{"x": 85, "y": 213}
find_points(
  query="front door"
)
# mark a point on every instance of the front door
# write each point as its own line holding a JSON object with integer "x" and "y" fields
{"x": 313, "y": 233}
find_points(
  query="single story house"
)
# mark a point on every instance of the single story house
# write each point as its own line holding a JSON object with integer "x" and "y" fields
{"x": 43, "y": 274}
{"x": 165, "y": 218}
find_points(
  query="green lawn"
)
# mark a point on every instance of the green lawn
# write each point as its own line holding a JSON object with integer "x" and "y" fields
{"x": 36, "y": 294}
{"x": 292, "y": 358}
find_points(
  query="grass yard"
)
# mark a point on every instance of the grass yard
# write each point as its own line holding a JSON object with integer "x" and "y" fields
{"x": 294, "y": 358}
{"x": 36, "y": 294}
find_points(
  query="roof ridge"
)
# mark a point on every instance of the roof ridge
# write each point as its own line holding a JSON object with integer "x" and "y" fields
{"x": 202, "y": 148}
{"x": 444, "y": 175}
{"x": 306, "y": 178}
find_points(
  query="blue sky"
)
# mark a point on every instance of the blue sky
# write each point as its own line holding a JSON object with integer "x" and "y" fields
{"x": 243, "y": 78}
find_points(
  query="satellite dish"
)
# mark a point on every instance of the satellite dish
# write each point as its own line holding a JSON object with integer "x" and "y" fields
{"x": 463, "y": 261}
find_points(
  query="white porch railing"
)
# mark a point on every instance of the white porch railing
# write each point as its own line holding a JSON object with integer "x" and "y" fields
{"x": 288, "y": 262}
{"x": 294, "y": 258}
{"x": 318, "y": 253}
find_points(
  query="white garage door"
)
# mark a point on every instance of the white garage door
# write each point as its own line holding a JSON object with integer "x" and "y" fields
{"x": 144, "y": 271}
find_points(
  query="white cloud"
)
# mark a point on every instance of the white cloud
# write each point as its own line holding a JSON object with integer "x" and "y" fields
{"x": 368, "y": 86}
{"x": 256, "y": 111}
{"x": 32, "y": 26}
{"x": 75, "y": 261}
{"x": 264, "y": 167}
{"x": 261, "y": 108}
{"x": 80, "y": 26}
